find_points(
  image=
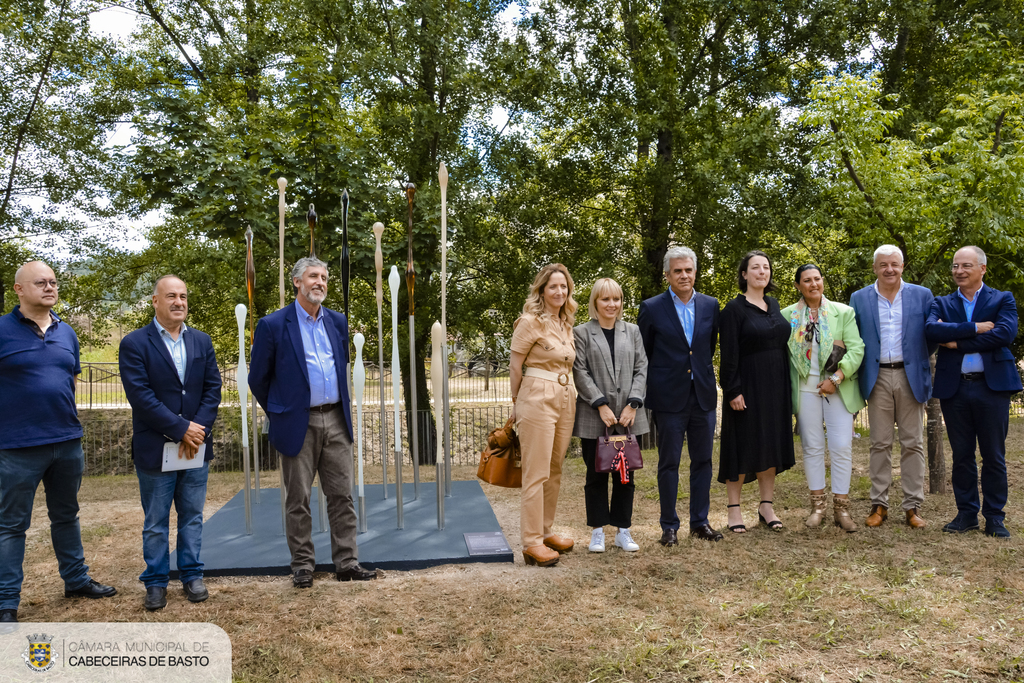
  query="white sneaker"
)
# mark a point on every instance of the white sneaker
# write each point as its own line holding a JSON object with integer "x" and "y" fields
{"x": 597, "y": 540}
{"x": 625, "y": 541}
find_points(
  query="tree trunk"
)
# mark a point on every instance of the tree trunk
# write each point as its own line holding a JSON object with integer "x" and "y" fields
{"x": 936, "y": 454}
{"x": 656, "y": 227}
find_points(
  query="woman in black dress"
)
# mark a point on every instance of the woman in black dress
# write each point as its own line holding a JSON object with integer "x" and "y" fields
{"x": 757, "y": 432}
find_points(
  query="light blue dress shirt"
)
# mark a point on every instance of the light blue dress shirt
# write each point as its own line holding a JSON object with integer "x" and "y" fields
{"x": 972, "y": 361}
{"x": 323, "y": 378}
{"x": 890, "y": 326}
{"x": 686, "y": 313}
{"x": 175, "y": 346}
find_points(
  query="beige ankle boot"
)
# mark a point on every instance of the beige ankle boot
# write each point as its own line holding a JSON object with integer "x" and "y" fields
{"x": 842, "y": 515}
{"x": 819, "y": 502}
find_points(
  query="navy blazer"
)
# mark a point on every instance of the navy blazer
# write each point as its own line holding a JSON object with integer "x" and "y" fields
{"x": 917, "y": 303}
{"x": 671, "y": 360}
{"x": 994, "y": 346}
{"x": 163, "y": 406}
{"x": 279, "y": 378}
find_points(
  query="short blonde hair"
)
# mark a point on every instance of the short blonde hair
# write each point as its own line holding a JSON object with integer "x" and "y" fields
{"x": 535, "y": 301}
{"x": 605, "y": 285}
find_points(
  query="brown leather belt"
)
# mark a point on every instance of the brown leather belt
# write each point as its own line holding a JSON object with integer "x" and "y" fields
{"x": 325, "y": 408}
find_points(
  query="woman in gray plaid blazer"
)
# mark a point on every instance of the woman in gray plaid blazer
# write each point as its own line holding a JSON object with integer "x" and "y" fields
{"x": 610, "y": 373}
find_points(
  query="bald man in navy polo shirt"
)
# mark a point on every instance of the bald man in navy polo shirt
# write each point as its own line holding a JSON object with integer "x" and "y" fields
{"x": 40, "y": 437}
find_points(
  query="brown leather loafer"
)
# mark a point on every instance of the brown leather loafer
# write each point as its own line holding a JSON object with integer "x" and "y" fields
{"x": 915, "y": 520}
{"x": 879, "y": 513}
{"x": 541, "y": 556}
{"x": 559, "y": 544}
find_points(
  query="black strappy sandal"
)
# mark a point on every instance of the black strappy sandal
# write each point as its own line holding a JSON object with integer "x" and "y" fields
{"x": 775, "y": 525}
{"x": 737, "y": 528}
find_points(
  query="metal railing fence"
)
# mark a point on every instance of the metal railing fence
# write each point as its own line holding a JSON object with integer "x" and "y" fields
{"x": 99, "y": 385}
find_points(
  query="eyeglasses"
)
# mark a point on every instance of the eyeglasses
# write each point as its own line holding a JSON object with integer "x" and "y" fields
{"x": 43, "y": 284}
{"x": 962, "y": 266}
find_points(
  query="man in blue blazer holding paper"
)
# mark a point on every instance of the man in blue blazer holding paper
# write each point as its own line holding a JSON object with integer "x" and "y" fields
{"x": 297, "y": 373}
{"x": 975, "y": 376}
{"x": 169, "y": 372}
{"x": 895, "y": 379}
{"x": 680, "y": 333}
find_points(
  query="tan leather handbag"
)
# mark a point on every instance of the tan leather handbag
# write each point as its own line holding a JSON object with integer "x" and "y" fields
{"x": 501, "y": 461}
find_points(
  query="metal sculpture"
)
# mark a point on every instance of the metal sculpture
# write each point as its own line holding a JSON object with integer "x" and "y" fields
{"x": 358, "y": 385}
{"x": 282, "y": 208}
{"x": 393, "y": 282}
{"x": 345, "y": 265}
{"x": 442, "y": 179}
{"x": 437, "y": 377}
{"x": 378, "y": 260}
{"x": 410, "y": 283}
{"x": 242, "y": 379}
{"x": 250, "y": 288}
{"x": 311, "y": 219}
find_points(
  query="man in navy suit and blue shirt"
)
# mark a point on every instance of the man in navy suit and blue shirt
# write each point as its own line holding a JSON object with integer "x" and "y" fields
{"x": 680, "y": 332}
{"x": 975, "y": 376}
{"x": 170, "y": 376}
{"x": 297, "y": 373}
{"x": 895, "y": 378}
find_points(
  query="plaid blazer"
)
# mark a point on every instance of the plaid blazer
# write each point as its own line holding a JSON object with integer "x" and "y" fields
{"x": 593, "y": 375}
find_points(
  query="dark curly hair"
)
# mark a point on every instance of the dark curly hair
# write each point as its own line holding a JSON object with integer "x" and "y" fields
{"x": 770, "y": 287}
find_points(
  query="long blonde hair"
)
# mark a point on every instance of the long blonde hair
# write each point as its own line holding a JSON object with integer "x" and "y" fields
{"x": 535, "y": 302}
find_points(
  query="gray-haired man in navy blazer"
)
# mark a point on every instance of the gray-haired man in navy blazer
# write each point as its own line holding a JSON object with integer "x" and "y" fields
{"x": 680, "y": 333}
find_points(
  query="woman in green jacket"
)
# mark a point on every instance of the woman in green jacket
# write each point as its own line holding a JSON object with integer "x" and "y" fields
{"x": 824, "y": 392}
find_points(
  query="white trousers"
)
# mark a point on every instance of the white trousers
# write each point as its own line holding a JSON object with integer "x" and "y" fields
{"x": 815, "y": 417}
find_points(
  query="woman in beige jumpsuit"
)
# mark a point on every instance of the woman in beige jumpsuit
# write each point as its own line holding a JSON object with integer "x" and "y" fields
{"x": 544, "y": 406}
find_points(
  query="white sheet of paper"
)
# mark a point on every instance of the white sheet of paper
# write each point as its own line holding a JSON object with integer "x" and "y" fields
{"x": 173, "y": 463}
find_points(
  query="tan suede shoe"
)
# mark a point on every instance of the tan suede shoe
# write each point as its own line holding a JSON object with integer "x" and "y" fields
{"x": 915, "y": 520}
{"x": 879, "y": 513}
{"x": 559, "y": 544}
{"x": 541, "y": 556}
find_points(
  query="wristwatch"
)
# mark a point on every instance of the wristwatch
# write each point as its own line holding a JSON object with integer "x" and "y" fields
{"x": 834, "y": 378}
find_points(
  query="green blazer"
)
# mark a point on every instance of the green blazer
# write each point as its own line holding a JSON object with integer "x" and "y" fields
{"x": 843, "y": 324}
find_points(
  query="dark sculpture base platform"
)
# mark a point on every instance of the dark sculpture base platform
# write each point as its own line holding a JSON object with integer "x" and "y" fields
{"x": 227, "y": 551}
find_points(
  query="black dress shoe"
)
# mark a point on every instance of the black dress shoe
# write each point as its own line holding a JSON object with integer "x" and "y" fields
{"x": 961, "y": 524}
{"x": 356, "y": 573}
{"x": 156, "y": 598}
{"x": 195, "y": 590}
{"x": 93, "y": 589}
{"x": 705, "y": 533}
{"x": 8, "y": 616}
{"x": 668, "y": 537}
{"x": 302, "y": 579}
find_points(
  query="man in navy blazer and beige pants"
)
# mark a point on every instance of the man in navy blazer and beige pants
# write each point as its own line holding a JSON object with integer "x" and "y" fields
{"x": 170, "y": 376}
{"x": 297, "y": 373}
{"x": 975, "y": 376}
{"x": 680, "y": 332}
{"x": 895, "y": 378}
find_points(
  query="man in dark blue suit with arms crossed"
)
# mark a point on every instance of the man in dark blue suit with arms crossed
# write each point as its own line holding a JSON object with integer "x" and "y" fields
{"x": 975, "y": 376}
{"x": 170, "y": 376}
{"x": 680, "y": 333}
{"x": 297, "y": 373}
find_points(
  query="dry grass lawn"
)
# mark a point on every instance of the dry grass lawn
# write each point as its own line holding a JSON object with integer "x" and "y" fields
{"x": 889, "y": 604}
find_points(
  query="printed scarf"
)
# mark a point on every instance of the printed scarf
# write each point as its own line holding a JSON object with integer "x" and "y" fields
{"x": 803, "y": 333}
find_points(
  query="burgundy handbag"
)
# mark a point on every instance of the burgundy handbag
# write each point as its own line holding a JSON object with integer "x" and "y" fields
{"x": 618, "y": 453}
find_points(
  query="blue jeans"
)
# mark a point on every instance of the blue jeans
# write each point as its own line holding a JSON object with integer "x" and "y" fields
{"x": 187, "y": 490}
{"x": 59, "y": 466}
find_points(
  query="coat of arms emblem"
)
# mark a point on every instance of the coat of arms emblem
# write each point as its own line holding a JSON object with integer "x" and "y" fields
{"x": 40, "y": 655}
